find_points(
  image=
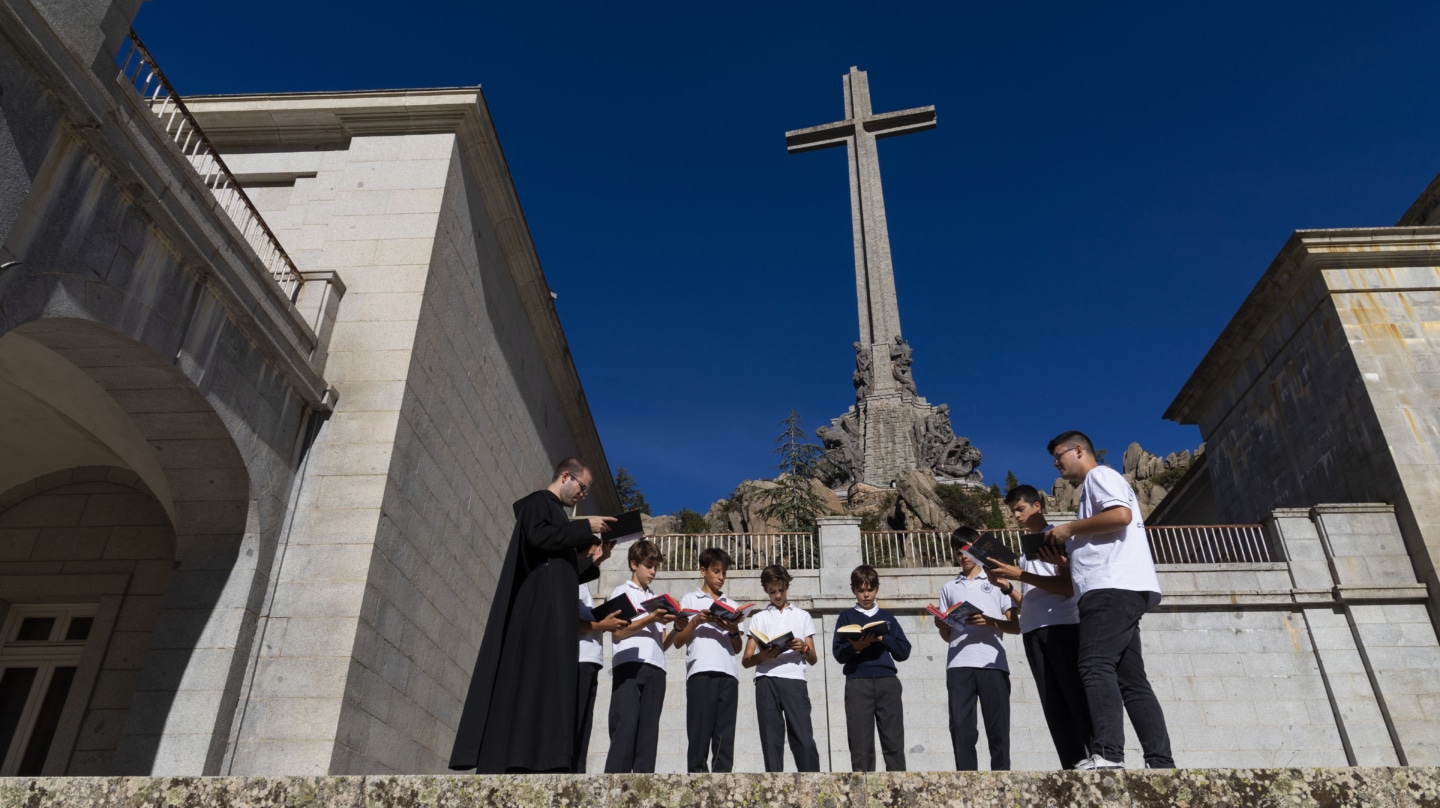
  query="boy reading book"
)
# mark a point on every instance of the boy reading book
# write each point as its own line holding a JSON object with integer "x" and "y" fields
{"x": 868, "y": 642}
{"x": 711, "y": 640}
{"x": 782, "y": 699}
{"x": 1049, "y": 627}
{"x": 637, "y": 663}
{"x": 976, "y": 668}
{"x": 592, "y": 658}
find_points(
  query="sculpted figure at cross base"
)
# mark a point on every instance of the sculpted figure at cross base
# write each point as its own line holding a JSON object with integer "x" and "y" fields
{"x": 864, "y": 370}
{"x": 900, "y": 365}
{"x": 842, "y": 450}
{"x": 939, "y": 449}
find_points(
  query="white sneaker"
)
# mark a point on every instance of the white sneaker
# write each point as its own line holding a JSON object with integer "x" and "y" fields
{"x": 1095, "y": 762}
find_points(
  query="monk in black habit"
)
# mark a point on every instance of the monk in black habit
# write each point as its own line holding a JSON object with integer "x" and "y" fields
{"x": 520, "y": 715}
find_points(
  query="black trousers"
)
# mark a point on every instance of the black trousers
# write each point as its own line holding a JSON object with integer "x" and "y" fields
{"x": 1054, "y": 654}
{"x": 711, "y": 700}
{"x": 1114, "y": 673}
{"x": 991, "y": 688}
{"x": 586, "y": 683}
{"x": 873, "y": 704}
{"x": 782, "y": 707}
{"x": 636, "y": 696}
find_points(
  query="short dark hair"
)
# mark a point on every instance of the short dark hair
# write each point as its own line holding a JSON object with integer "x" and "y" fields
{"x": 572, "y": 465}
{"x": 1071, "y": 438}
{"x": 646, "y": 553}
{"x": 962, "y": 537}
{"x": 866, "y": 576}
{"x": 774, "y": 574}
{"x": 1026, "y": 494}
{"x": 714, "y": 555}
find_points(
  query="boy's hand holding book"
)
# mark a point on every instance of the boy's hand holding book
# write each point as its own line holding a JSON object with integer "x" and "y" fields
{"x": 864, "y": 641}
{"x": 1003, "y": 570}
{"x": 611, "y": 622}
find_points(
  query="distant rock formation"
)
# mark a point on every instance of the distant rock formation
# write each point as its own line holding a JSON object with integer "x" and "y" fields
{"x": 1150, "y": 475}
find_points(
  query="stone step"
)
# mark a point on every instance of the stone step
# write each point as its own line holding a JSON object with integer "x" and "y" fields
{"x": 1401, "y": 787}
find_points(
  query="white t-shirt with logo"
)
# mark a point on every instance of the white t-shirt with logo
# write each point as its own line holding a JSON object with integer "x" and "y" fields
{"x": 976, "y": 646}
{"x": 592, "y": 648}
{"x": 772, "y": 623}
{"x": 709, "y": 651}
{"x": 645, "y": 645}
{"x": 1039, "y": 608}
{"x": 1119, "y": 559}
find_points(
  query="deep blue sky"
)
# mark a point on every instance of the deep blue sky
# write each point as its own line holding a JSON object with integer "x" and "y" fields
{"x": 1106, "y": 184}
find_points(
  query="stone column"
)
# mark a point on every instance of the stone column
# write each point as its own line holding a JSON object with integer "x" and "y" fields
{"x": 840, "y": 552}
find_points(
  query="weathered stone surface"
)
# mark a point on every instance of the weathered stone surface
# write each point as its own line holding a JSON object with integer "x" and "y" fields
{"x": 1391, "y": 787}
{"x": 917, "y": 490}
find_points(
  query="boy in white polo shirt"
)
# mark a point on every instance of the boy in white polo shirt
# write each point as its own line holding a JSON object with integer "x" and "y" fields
{"x": 712, "y": 680}
{"x": 1114, "y": 578}
{"x": 1049, "y": 627}
{"x": 782, "y": 699}
{"x": 976, "y": 668}
{"x": 592, "y": 659}
{"x": 637, "y": 663}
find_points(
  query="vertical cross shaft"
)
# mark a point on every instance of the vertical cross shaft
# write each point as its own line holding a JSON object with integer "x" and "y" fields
{"x": 874, "y": 273}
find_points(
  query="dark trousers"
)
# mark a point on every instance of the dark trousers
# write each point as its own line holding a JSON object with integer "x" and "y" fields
{"x": 782, "y": 707}
{"x": 636, "y": 696}
{"x": 1114, "y": 673}
{"x": 991, "y": 688}
{"x": 1054, "y": 655}
{"x": 875, "y": 704}
{"x": 711, "y": 700}
{"x": 586, "y": 683}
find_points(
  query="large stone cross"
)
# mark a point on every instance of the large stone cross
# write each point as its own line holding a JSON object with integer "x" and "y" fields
{"x": 874, "y": 273}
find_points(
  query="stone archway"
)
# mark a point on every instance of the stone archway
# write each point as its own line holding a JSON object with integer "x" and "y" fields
{"x": 85, "y": 395}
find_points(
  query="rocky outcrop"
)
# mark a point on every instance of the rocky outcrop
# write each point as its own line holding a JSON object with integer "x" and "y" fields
{"x": 657, "y": 525}
{"x": 916, "y": 490}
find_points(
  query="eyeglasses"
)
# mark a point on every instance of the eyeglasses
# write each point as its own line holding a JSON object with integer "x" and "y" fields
{"x": 584, "y": 489}
{"x": 1062, "y": 452}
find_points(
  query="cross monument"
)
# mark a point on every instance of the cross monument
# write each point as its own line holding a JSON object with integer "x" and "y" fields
{"x": 890, "y": 428}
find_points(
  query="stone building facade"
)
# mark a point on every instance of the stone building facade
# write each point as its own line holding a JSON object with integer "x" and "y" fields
{"x": 250, "y": 517}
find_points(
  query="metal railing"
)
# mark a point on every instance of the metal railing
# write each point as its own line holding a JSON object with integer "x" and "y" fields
{"x": 748, "y": 551}
{"x": 1200, "y": 544}
{"x": 139, "y": 72}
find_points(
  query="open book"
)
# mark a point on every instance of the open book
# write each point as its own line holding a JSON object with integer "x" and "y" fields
{"x": 765, "y": 642}
{"x": 661, "y": 603}
{"x": 1030, "y": 544}
{"x": 989, "y": 548}
{"x": 730, "y": 614}
{"x": 620, "y": 604}
{"x": 956, "y": 615}
{"x": 855, "y": 631}
{"x": 626, "y": 528}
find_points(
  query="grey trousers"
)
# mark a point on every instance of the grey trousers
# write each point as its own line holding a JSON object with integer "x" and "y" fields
{"x": 875, "y": 704}
{"x": 782, "y": 707}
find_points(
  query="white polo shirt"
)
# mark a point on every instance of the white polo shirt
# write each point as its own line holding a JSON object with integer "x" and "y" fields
{"x": 976, "y": 646}
{"x": 772, "y": 623}
{"x": 644, "y": 645}
{"x": 1039, "y": 608}
{"x": 1121, "y": 558}
{"x": 709, "y": 650}
{"x": 592, "y": 648}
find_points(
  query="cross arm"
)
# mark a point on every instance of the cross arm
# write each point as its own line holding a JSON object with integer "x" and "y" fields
{"x": 819, "y": 137}
{"x": 902, "y": 122}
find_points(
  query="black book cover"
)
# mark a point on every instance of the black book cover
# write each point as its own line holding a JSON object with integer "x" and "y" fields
{"x": 620, "y": 604}
{"x": 1031, "y": 543}
{"x": 626, "y": 527}
{"x": 989, "y": 548}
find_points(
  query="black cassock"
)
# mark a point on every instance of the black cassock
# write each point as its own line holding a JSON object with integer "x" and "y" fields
{"x": 520, "y": 711}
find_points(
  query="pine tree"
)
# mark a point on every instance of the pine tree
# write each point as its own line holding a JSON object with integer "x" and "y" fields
{"x": 688, "y": 521}
{"x": 1010, "y": 481}
{"x": 794, "y": 503}
{"x": 630, "y": 496}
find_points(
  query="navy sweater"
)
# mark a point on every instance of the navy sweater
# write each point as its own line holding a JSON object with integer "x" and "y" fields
{"x": 879, "y": 659}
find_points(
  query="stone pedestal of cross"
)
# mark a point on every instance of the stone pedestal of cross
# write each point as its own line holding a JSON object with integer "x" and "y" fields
{"x": 886, "y": 413}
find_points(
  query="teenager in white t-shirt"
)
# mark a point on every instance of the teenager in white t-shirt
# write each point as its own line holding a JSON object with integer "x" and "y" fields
{"x": 592, "y": 659}
{"x": 637, "y": 665}
{"x": 1049, "y": 628}
{"x": 1114, "y": 578}
{"x": 712, "y": 679}
{"x": 976, "y": 669}
{"x": 782, "y": 698}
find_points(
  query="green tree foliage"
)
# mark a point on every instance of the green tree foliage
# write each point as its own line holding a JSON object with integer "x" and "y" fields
{"x": 630, "y": 496}
{"x": 995, "y": 520}
{"x": 967, "y": 505}
{"x": 793, "y": 502}
{"x": 1010, "y": 481}
{"x": 1169, "y": 476}
{"x": 688, "y": 521}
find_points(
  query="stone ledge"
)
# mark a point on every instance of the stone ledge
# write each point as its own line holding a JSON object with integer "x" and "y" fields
{"x": 1379, "y": 787}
